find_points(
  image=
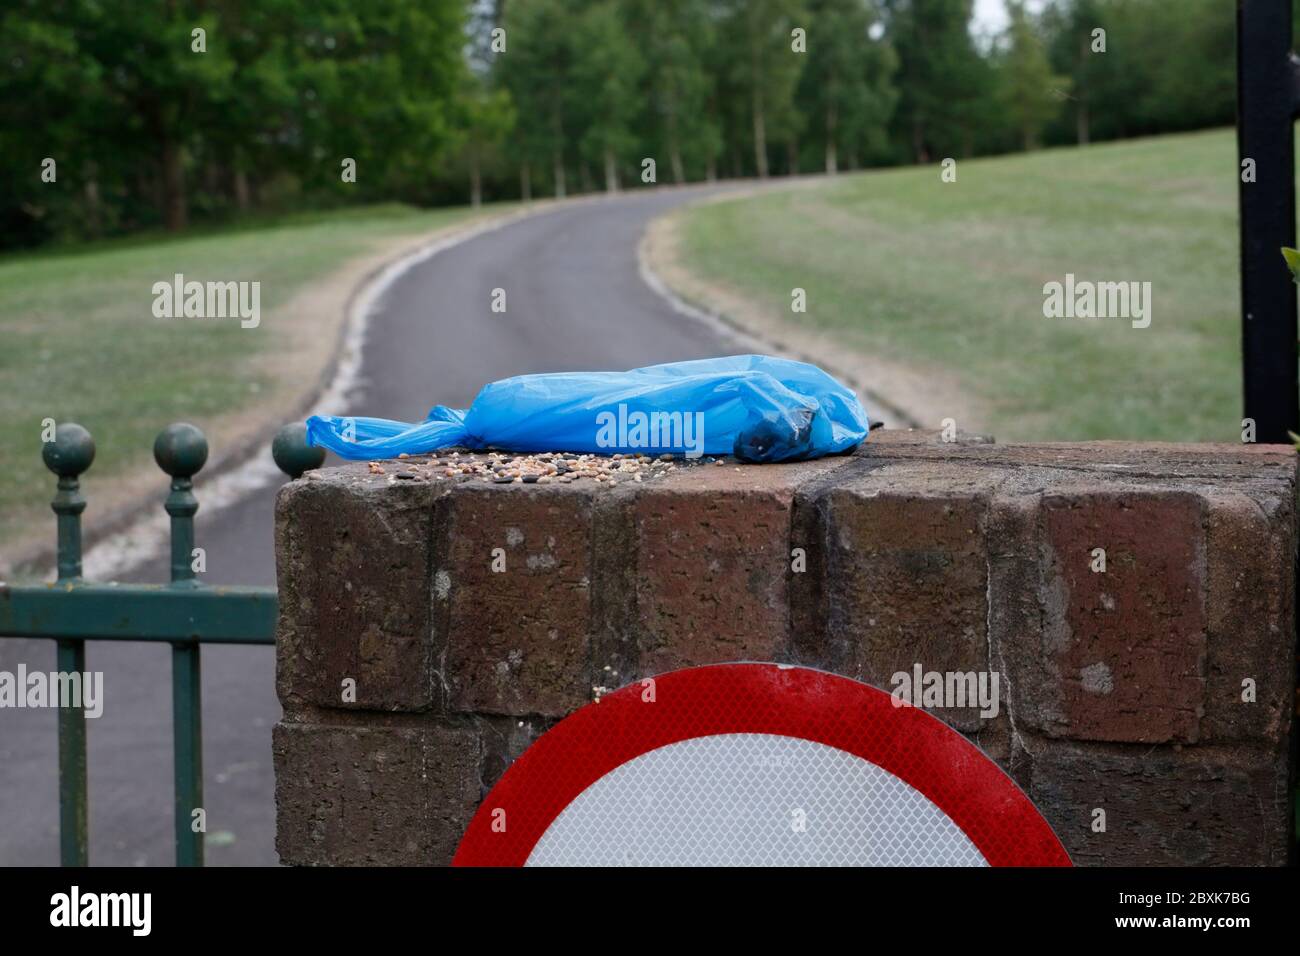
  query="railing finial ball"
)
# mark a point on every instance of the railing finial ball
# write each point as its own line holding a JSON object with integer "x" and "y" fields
{"x": 292, "y": 453}
{"x": 180, "y": 450}
{"x": 71, "y": 452}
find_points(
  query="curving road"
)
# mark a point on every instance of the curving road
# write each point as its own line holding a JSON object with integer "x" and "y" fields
{"x": 574, "y": 300}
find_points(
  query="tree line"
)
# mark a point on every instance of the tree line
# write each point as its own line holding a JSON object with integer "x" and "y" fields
{"x": 122, "y": 115}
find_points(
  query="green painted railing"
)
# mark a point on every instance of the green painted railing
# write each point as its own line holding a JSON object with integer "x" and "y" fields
{"x": 184, "y": 613}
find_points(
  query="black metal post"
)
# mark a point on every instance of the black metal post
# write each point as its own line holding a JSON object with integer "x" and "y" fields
{"x": 1266, "y": 108}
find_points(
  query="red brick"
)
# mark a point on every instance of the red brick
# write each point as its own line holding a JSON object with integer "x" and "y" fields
{"x": 1121, "y": 655}
{"x": 518, "y": 641}
{"x": 373, "y": 796}
{"x": 1250, "y": 553}
{"x": 712, "y": 552}
{"x": 353, "y": 563}
{"x": 1108, "y": 460}
{"x": 1164, "y": 807}
{"x": 907, "y": 574}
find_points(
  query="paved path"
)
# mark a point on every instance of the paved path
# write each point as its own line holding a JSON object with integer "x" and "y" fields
{"x": 575, "y": 300}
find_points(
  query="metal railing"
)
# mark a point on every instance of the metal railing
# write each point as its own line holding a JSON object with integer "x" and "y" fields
{"x": 1268, "y": 99}
{"x": 184, "y": 613}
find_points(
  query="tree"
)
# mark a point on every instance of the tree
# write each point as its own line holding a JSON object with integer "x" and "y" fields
{"x": 765, "y": 68}
{"x": 158, "y": 103}
{"x": 537, "y": 70}
{"x": 1195, "y": 84}
{"x": 942, "y": 79}
{"x": 847, "y": 86}
{"x": 679, "y": 40}
{"x": 606, "y": 75}
{"x": 1157, "y": 74}
{"x": 1031, "y": 92}
{"x": 484, "y": 118}
{"x": 157, "y": 79}
{"x": 1073, "y": 53}
{"x": 49, "y": 99}
{"x": 375, "y": 81}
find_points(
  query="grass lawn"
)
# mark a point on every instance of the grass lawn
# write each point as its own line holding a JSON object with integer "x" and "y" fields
{"x": 951, "y": 275}
{"x": 79, "y": 342}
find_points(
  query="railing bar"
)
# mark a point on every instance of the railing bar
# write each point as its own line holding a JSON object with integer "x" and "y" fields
{"x": 68, "y": 456}
{"x": 181, "y": 451}
{"x": 74, "y": 837}
{"x": 187, "y": 731}
{"x": 136, "y": 612}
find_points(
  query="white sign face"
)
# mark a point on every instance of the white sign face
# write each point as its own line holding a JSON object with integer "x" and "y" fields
{"x": 755, "y": 765}
{"x": 752, "y": 800}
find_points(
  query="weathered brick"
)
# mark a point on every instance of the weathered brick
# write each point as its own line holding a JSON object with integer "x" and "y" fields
{"x": 615, "y": 653}
{"x": 908, "y": 574}
{"x": 353, "y": 564}
{"x": 362, "y": 796}
{"x": 712, "y": 553}
{"x": 1015, "y": 613}
{"x": 1250, "y": 578}
{"x": 1107, "y": 460}
{"x": 1120, "y": 655}
{"x": 504, "y": 741}
{"x": 1163, "y": 806}
{"x": 811, "y": 642}
{"x": 886, "y": 439}
{"x": 517, "y": 641}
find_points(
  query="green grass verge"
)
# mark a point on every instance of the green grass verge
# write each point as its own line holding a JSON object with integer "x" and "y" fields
{"x": 951, "y": 275}
{"x": 80, "y": 342}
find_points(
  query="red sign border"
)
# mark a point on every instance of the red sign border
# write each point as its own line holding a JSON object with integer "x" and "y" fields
{"x": 777, "y": 699}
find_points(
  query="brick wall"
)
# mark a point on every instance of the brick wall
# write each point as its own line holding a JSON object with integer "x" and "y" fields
{"x": 1122, "y": 690}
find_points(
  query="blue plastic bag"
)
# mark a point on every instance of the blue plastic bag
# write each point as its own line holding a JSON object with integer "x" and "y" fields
{"x": 756, "y": 407}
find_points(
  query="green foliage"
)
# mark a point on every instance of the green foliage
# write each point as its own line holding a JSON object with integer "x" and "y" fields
{"x": 606, "y": 94}
{"x": 483, "y": 118}
{"x": 1030, "y": 91}
{"x": 944, "y": 82}
{"x": 1159, "y": 73}
{"x": 757, "y": 55}
{"x": 137, "y": 108}
{"x": 679, "y": 89}
{"x": 848, "y": 81}
{"x": 147, "y": 132}
{"x": 1292, "y": 258}
{"x": 537, "y": 70}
